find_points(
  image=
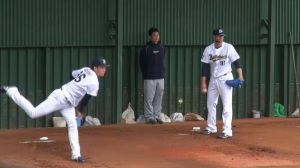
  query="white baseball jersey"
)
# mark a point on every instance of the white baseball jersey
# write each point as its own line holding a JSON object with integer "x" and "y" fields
{"x": 219, "y": 59}
{"x": 85, "y": 82}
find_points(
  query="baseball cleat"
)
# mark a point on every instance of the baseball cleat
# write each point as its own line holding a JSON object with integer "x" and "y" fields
{"x": 224, "y": 136}
{"x": 79, "y": 159}
{"x": 3, "y": 89}
{"x": 151, "y": 121}
{"x": 159, "y": 121}
{"x": 208, "y": 132}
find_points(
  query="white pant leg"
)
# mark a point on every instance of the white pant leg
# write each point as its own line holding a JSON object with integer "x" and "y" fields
{"x": 226, "y": 96}
{"x": 70, "y": 117}
{"x": 212, "y": 101}
{"x": 53, "y": 103}
{"x": 157, "y": 100}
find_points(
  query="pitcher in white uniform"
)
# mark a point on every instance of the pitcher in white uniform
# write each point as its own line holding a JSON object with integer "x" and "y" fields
{"x": 65, "y": 99}
{"x": 216, "y": 63}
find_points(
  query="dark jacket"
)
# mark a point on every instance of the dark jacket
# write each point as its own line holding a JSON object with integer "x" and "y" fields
{"x": 152, "y": 61}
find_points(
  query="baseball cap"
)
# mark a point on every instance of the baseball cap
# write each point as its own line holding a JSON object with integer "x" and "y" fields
{"x": 218, "y": 31}
{"x": 100, "y": 61}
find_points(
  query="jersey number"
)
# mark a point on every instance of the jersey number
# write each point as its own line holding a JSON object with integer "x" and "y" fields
{"x": 79, "y": 78}
{"x": 222, "y": 63}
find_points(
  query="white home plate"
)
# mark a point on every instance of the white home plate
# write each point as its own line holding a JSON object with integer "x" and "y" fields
{"x": 196, "y": 129}
{"x": 182, "y": 134}
{"x": 44, "y": 138}
{"x": 43, "y": 141}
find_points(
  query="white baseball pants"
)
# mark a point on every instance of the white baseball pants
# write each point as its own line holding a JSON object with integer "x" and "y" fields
{"x": 56, "y": 101}
{"x": 217, "y": 87}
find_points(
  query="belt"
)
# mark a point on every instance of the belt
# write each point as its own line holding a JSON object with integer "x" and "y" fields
{"x": 65, "y": 96}
{"x": 221, "y": 75}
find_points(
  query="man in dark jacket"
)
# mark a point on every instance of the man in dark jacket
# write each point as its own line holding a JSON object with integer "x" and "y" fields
{"x": 153, "y": 70}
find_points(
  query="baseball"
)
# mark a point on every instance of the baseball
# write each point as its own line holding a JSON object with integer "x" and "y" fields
{"x": 196, "y": 128}
{"x": 43, "y": 138}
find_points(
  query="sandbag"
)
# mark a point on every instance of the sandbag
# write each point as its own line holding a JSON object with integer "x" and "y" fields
{"x": 90, "y": 121}
{"x": 192, "y": 117}
{"x": 128, "y": 116}
{"x": 164, "y": 118}
{"x": 177, "y": 117}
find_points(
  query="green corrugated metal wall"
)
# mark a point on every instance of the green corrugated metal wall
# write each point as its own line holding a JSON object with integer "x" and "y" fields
{"x": 287, "y": 19}
{"x": 86, "y": 23}
{"x": 191, "y": 22}
{"x": 54, "y": 23}
{"x": 21, "y": 67}
{"x": 42, "y": 41}
{"x": 285, "y": 89}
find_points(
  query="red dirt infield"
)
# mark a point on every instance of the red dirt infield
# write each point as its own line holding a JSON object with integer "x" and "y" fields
{"x": 268, "y": 142}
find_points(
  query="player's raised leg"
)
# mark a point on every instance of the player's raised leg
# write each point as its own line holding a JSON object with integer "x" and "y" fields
{"x": 51, "y": 104}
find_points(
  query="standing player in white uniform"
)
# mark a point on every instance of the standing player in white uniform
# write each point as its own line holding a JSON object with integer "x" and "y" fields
{"x": 65, "y": 99}
{"x": 216, "y": 61}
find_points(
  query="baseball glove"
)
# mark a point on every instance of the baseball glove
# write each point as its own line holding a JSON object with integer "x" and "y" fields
{"x": 235, "y": 83}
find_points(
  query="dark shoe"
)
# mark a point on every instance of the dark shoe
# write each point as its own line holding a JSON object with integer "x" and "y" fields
{"x": 224, "y": 136}
{"x": 79, "y": 159}
{"x": 159, "y": 121}
{"x": 207, "y": 132}
{"x": 3, "y": 89}
{"x": 151, "y": 121}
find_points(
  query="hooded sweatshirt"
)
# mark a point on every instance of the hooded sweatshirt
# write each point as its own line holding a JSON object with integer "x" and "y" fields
{"x": 152, "y": 61}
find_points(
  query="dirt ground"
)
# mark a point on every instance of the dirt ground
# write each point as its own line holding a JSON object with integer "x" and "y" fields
{"x": 256, "y": 143}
